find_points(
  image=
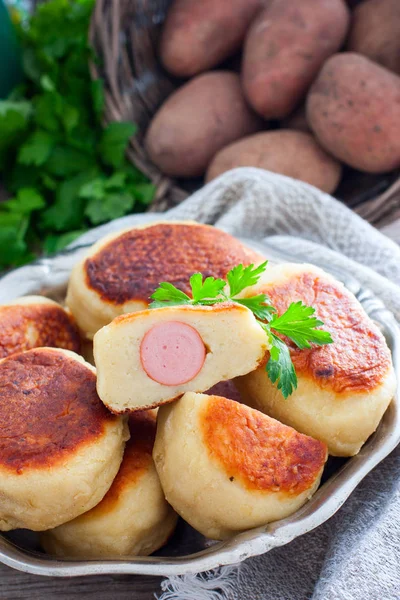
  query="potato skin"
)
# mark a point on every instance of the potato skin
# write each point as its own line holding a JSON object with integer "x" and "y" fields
{"x": 353, "y": 108}
{"x": 292, "y": 153}
{"x": 284, "y": 48}
{"x": 375, "y": 32}
{"x": 199, "y": 34}
{"x": 196, "y": 121}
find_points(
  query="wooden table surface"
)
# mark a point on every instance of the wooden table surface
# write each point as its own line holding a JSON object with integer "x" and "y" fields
{"x": 17, "y": 586}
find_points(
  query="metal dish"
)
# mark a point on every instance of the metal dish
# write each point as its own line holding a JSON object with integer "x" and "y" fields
{"x": 188, "y": 551}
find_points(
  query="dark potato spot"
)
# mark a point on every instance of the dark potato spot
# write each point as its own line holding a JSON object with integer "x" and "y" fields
{"x": 326, "y": 372}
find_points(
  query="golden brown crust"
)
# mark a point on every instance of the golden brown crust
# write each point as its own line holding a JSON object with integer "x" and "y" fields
{"x": 138, "y": 409}
{"x": 26, "y": 326}
{"x": 359, "y": 358}
{"x": 137, "y": 458}
{"x": 132, "y": 266}
{"x": 49, "y": 408}
{"x": 221, "y": 307}
{"x": 259, "y": 451}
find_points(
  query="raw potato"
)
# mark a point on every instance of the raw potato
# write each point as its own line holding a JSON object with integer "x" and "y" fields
{"x": 199, "y": 34}
{"x": 284, "y": 49}
{"x": 354, "y": 109}
{"x": 196, "y": 121}
{"x": 292, "y": 153}
{"x": 375, "y": 32}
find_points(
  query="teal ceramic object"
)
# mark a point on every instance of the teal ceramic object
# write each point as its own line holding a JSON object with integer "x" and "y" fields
{"x": 10, "y": 59}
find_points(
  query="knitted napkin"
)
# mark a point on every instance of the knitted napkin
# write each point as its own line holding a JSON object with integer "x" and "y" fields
{"x": 356, "y": 554}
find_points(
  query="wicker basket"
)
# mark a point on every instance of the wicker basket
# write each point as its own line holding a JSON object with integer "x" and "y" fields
{"x": 124, "y": 34}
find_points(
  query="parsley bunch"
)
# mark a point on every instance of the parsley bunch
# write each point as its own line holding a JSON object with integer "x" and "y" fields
{"x": 65, "y": 171}
{"x": 297, "y": 324}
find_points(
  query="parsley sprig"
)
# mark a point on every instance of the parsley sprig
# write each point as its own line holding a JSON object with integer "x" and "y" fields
{"x": 297, "y": 323}
{"x": 64, "y": 170}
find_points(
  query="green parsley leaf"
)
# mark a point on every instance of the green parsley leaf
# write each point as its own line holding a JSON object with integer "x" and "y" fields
{"x": 55, "y": 243}
{"x": 110, "y": 207}
{"x": 23, "y": 176}
{"x": 14, "y": 122}
{"x": 37, "y": 148}
{"x": 23, "y": 109}
{"x": 13, "y": 248}
{"x": 31, "y": 64}
{"x": 11, "y": 219}
{"x": 67, "y": 212}
{"x": 47, "y": 84}
{"x": 70, "y": 117}
{"x": 209, "y": 289}
{"x": 46, "y": 113}
{"x": 116, "y": 181}
{"x": 279, "y": 367}
{"x": 97, "y": 89}
{"x": 27, "y": 201}
{"x": 168, "y": 295}
{"x": 298, "y": 324}
{"x": 241, "y": 277}
{"x": 144, "y": 192}
{"x": 114, "y": 141}
{"x": 259, "y": 305}
{"x": 49, "y": 182}
{"x": 65, "y": 161}
{"x": 93, "y": 189}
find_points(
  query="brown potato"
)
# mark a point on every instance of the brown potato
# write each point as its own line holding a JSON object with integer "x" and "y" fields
{"x": 285, "y": 46}
{"x": 200, "y": 118}
{"x": 353, "y": 108}
{"x": 199, "y": 34}
{"x": 292, "y": 153}
{"x": 375, "y": 32}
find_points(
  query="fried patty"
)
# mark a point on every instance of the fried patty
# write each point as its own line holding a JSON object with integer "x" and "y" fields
{"x": 359, "y": 357}
{"x": 131, "y": 266}
{"x": 33, "y": 322}
{"x": 49, "y": 408}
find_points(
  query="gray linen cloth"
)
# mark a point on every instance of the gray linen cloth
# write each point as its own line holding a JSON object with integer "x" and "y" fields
{"x": 356, "y": 554}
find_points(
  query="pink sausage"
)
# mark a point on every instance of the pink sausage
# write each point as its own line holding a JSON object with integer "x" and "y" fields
{"x": 172, "y": 353}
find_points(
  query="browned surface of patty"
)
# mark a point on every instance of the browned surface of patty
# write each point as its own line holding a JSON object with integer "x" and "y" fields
{"x": 27, "y": 326}
{"x": 213, "y": 308}
{"x": 49, "y": 408}
{"x": 259, "y": 451}
{"x": 133, "y": 265}
{"x": 137, "y": 458}
{"x": 358, "y": 359}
